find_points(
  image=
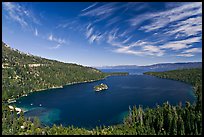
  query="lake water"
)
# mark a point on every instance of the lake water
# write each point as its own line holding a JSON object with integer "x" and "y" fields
{"x": 130, "y": 71}
{"x": 81, "y": 106}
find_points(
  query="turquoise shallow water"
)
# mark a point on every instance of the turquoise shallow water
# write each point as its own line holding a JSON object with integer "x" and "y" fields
{"x": 81, "y": 106}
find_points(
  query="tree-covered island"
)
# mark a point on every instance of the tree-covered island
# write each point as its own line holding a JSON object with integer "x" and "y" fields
{"x": 100, "y": 87}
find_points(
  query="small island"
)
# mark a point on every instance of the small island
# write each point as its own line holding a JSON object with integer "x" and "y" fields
{"x": 100, "y": 87}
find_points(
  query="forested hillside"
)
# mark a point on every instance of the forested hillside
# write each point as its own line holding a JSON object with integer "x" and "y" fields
{"x": 23, "y": 73}
{"x": 162, "y": 120}
{"x": 191, "y": 76}
{"x": 182, "y": 119}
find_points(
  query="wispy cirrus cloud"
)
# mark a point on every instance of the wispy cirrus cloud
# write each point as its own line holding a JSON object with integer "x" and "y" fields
{"x": 181, "y": 44}
{"x": 139, "y": 48}
{"x": 185, "y": 55}
{"x": 58, "y": 41}
{"x": 103, "y": 11}
{"x": 113, "y": 21}
{"x": 142, "y": 51}
{"x": 91, "y": 6}
{"x": 97, "y": 12}
{"x": 161, "y": 19}
{"x": 190, "y": 52}
{"x": 189, "y": 27}
{"x": 51, "y": 37}
{"x": 92, "y": 35}
{"x": 36, "y": 32}
{"x": 127, "y": 50}
{"x": 172, "y": 29}
{"x": 55, "y": 47}
{"x": 153, "y": 50}
{"x": 20, "y": 14}
{"x": 193, "y": 50}
{"x": 16, "y": 13}
{"x": 73, "y": 24}
{"x": 158, "y": 48}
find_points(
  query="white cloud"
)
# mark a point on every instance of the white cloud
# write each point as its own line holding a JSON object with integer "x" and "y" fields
{"x": 188, "y": 52}
{"x": 101, "y": 12}
{"x": 15, "y": 12}
{"x": 153, "y": 50}
{"x": 136, "y": 21}
{"x": 113, "y": 21}
{"x": 127, "y": 39}
{"x": 91, "y": 35}
{"x": 189, "y": 27}
{"x": 185, "y": 55}
{"x": 181, "y": 44}
{"x": 112, "y": 39}
{"x": 163, "y": 18}
{"x": 140, "y": 43}
{"x": 50, "y": 37}
{"x": 135, "y": 6}
{"x": 90, "y": 6}
{"x": 147, "y": 50}
{"x": 94, "y": 38}
{"x": 127, "y": 50}
{"x": 89, "y": 31}
{"x": 174, "y": 46}
{"x": 36, "y": 32}
{"x": 191, "y": 40}
{"x": 20, "y": 14}
{"x": 180, "y": 24}
{"x": 56, "y": 47}
{"x": 59, "y": 41}
{"x": 193, "y": 50}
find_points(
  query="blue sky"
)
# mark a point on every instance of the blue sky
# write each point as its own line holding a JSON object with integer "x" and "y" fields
{"x": 105, "y": 33}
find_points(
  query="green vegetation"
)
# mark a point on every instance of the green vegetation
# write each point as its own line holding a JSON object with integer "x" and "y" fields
{"x": 190, "y": 76}
{"x": 162, "y": 120}
{"x": 100, "y": 87}
{"x": 21, "y": 76}
{"x": 22, "y": 73}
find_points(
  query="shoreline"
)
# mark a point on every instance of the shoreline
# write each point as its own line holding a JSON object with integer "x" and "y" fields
{"x": 72, "y": 83}
{"x": 193, "y": 86}
{"x": 25, "y": 95}
{"x": 68, "y": 84}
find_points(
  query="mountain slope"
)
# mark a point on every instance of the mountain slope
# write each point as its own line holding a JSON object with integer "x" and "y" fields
{"x": 157, "y": 67}
{"x": 22, "y": 73}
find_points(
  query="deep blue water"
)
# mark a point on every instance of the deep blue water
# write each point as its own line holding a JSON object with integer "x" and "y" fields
{"x": 81, "y": 106}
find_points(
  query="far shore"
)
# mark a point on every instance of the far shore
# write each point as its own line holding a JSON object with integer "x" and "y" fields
{"x": 68, "y": 84}
{"x": 72, "y": 83}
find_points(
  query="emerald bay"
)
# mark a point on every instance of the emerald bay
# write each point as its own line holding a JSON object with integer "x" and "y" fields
{"x": 80, "y": 106}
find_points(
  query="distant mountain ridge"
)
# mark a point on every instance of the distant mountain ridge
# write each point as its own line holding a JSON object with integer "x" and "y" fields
{"x": 160, "y": 66}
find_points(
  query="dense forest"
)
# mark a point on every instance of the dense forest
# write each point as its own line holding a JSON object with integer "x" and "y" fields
{"x": 24, "y": 73}
{"x": 191, "y": 76}
{"x": 162, "y": 120}
{"x": 182, "y": 119}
